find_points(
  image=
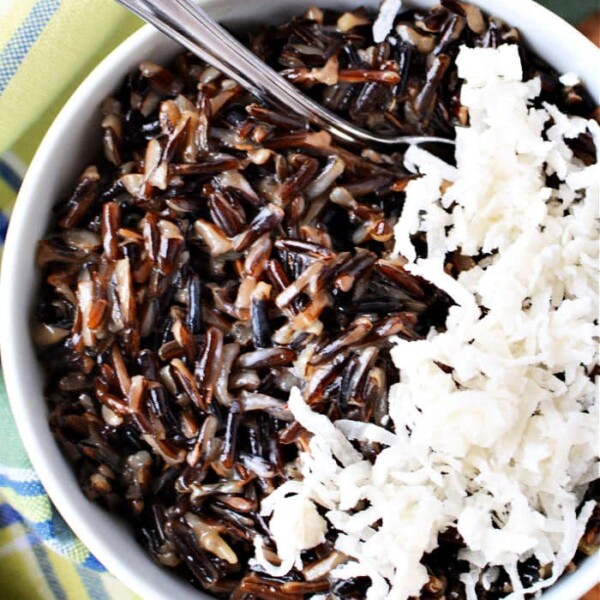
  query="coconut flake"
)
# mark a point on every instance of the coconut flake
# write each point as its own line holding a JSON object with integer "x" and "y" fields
{"x": 385, "y": 19}
{"x": 494, "y": 423}
{"x": 320, "y": 425}
{"x": 570, "y": 79}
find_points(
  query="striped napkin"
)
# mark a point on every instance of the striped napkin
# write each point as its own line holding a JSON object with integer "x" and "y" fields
{"x": 46, "y": 48}
{"x": 40, "y": 558}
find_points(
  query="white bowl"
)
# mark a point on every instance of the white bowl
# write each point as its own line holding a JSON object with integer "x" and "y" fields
{"x": 73, "y": 139}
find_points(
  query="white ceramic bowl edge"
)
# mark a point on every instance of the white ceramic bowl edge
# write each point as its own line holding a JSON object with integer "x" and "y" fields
{"x": 60, "y": 158}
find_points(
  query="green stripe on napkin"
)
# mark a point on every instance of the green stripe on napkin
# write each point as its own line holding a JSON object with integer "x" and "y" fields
{"x": 49, "y": 52}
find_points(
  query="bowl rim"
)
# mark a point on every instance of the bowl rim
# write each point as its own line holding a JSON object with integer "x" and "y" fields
{"x": 12, "y": 342}
{"x": 71, "y": 508}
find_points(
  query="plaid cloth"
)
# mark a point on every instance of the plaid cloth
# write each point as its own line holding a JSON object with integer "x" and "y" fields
{"x": 39, "y": 555}
{"x": 40, "y": 558}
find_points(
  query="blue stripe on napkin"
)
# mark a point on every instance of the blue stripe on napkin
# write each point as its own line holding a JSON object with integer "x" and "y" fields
{"x": 49, "y": 574}
{"x": 23, "y": 39}
{"x": 23, "y": 488}
{"x": 8, "y": 515}
{"x": 93, "y": 584}
{"x": 10, "y": 176}
{"x": 3, "y": 226}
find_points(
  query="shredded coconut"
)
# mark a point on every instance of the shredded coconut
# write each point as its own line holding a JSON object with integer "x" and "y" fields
{"x": 495, "y": 423}
{"x": 570, "y": 79}
{"x": 295, "y": 525}
{"x": 385, "y": 19}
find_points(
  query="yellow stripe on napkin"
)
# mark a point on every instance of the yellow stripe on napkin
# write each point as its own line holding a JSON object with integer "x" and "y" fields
{"x": 14, "y": 17}
{"x": 77, "y": 36}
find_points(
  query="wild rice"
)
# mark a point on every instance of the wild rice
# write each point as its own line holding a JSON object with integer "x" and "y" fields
{"x": 219, "y": 249}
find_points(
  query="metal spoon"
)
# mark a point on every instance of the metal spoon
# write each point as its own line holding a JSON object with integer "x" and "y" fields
{"x": 189, "y": 25}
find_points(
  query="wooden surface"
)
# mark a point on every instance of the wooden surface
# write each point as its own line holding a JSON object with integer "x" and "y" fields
{"x": 593, "y": 594}
{"x": 591, "y": 28}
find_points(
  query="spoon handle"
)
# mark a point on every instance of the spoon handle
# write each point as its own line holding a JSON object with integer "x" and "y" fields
{"x": 193, "y": 28}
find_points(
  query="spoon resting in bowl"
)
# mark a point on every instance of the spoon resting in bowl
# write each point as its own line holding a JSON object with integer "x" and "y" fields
{"x": 193, "y": 28}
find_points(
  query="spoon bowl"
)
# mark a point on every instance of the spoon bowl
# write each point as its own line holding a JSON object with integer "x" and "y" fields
{"x": 193, "y": 28}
